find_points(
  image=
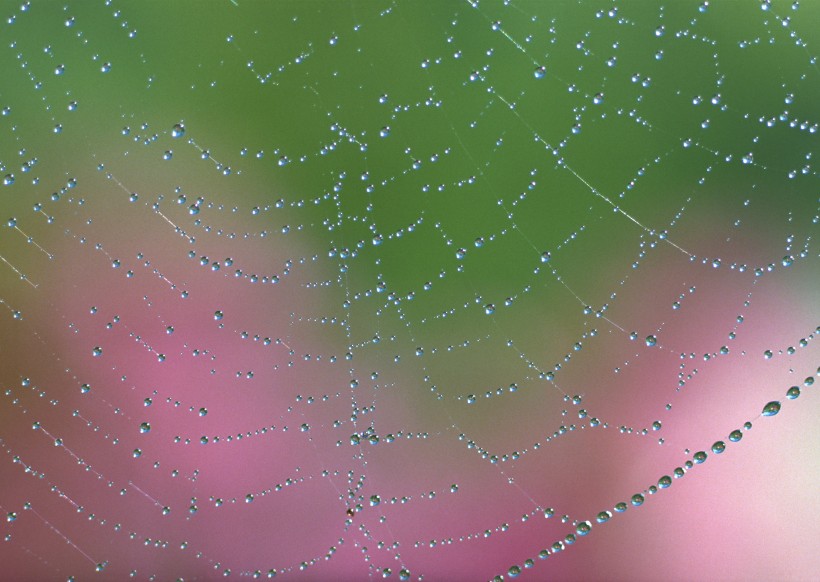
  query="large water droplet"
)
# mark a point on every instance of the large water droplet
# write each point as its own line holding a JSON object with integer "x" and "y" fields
{"x": 771, "y": 408}
{"x": 178, "y": 130}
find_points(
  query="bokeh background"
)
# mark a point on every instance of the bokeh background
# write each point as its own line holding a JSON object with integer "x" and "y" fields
{"x": 352, "y": 290}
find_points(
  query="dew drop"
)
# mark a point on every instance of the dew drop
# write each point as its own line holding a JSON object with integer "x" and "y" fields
{"x": 771, "y": 408}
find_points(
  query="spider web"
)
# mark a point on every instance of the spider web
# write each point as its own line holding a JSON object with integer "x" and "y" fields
{"x": 423, "y": 291}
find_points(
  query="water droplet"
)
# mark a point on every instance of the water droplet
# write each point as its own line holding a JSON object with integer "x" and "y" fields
{"x": 651, "y": 340}
{"x": 540, "y": 72}
{"x": 718, "y": 447}
{"x": 771, "y": 408}
{"x": 97, "y": 351}
{"x": 735, "y": 435}
{"x": 793, "y": 392}
{"x": 637, "y": 499}
{"x": 700, "y": 457}
{"x": 218, "y": 315}
{"x": 664, "y": 481}
{"x": 178, "y": 130}
{"x": 145, "y": 427}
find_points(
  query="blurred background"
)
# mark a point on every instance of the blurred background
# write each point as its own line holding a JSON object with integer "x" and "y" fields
{"x": 416, "y": 290}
